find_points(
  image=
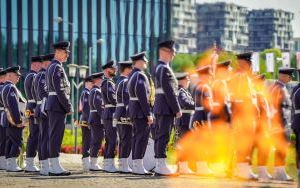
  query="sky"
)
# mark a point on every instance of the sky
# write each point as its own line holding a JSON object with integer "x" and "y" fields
{"x": 287, "y": 5}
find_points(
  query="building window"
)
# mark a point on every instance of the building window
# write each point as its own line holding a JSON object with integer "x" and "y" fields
{"x": 14, "y": 15}
{"x": 65, "y": 18}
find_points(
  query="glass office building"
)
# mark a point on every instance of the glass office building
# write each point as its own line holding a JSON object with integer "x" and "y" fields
{"x": 28, "y": 28}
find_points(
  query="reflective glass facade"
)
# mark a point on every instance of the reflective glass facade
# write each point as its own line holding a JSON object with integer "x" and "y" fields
{"x": 126, "y": 26}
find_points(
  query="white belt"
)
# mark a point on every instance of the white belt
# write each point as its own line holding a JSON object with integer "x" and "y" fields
{"x": 39, "y": 102}
{"x": 120, "y": 104}
{"x": 109, "y": 106}
{"x": 159, "y": 91}
{"x": 238, "y": 101}
{"x": 93, "y": 111}
{"x": 216, "y": 104}
{"x": 133, "y": 99}
{"x": 52, "y": 93}
{"x": 199, "y": 108}
{"x": 187, "y": 111}
{"x": 297, "y": 111}
{"x": 124, "y": 123}
{"x": 31, "y": 101}
{"x": 1, "y": 108}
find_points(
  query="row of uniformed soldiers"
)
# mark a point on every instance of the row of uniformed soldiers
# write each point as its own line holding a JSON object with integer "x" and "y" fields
{"x": 124, "y": 113}
{"x": 235, "y": 112}
{"x": 126, "y": 109}
{"x": 48, "y": 102}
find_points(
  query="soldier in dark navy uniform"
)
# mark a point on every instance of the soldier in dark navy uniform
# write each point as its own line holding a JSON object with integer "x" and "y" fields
{"x": 84, "y": 108}
{"x": 220, "y": 91}
{"x": 41, "y": 94}
{"x": 139, "y": 111}
{"x": 201, "y": 120}
{"x": 14, "y": 104}
{"x": 183, "y": 124}
{"x": 108, "y": 90}
{"x": 295, "y": 96}
{"x": 262, "y": 135}
{"x": 95, "y": 120}
{"x": 32, "y": 141}
{"x": 121, "y": 118}
{"x": 281, "y": 104}
{"x": 220, "y": 119}
{"x": 243, "y": 101}
{"x": 3, "y": 123}
{"x": 58, "y": 105}
{"x": 166, "y": 106}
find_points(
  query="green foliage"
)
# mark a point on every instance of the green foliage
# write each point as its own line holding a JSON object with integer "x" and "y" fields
{"x": 263, "y": 65}
{"x": 183, "y": 62}
{"x": 69, "y": 137}
{"x": 188, "y": 62}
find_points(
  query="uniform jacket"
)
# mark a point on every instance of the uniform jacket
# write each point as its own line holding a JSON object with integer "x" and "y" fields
{"x": 139, "y": 92}
{"x": 187, "y": 105}
{"x": 84, "y": 101}
{"x": 166, "y": 102}
{"x": 40, "y": 90}
{"x": 58, "y": 88}
{"x": 281, "y": 103}
{"x": 11, "y": 97}
{"x": 29, "y": 90}
{"x": 95, "y": 104}
{"x": 108, "y": 90}
{"x": 203, "y": 103}
{"x": 3, "y": 120}
{"x": 221, "y": 105}
{"x": 122, "y": 98}
{"x": 296, "y": 107}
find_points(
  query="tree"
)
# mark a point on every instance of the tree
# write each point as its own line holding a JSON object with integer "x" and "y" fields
{"x": 263, "y": 65}
{"x": 189, "y": 62}
{"x": 183, "y": 62}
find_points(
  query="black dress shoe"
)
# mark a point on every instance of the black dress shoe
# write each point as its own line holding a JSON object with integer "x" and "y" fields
{"x": 66, "y": 173}
{"x": 94, "y": 170}
{"x": 26, "y": 171}
{"x": 121, "y": 172}
{"x": 15, "y": 171}
{"x": 145, "y": 174}
{"x": 166, "y": 175}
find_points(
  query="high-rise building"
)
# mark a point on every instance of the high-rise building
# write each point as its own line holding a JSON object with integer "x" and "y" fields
{"x": 270, "y": 28}
{"x": 28, "y": 28}
{"x": 296, "y": 42}
{"x": 184, "y": 25}
{"x": 224, "y": 24}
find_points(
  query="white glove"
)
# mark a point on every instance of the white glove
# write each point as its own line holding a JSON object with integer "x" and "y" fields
{"x": 114, "y": 122}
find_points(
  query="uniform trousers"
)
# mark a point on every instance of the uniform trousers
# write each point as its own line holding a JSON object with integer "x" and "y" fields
{"x": 14, "y": 141}
{"x": 163, "y": 127}
{"x": 97, "y": 136}
{"x": 33, "y": 138}
{"x": 125, "y": 140}
{"x": 56, "y": 132}
{"x": 262, "y": 142}
{"x": 297, "y": 149}
{"x": 141, "y": 131}
{"x": 86, "y": 141}
{"x": 43, "y": 137}
{"x": 2, "y": 140}
{"x": 110, "y": 139}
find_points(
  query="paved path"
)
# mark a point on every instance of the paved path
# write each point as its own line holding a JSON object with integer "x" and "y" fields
{"x": 80, "y": 179}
